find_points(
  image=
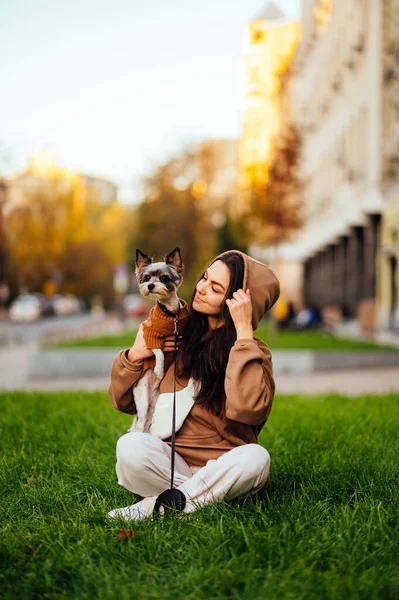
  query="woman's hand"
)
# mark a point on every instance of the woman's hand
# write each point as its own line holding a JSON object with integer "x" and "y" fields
{"x": 139, "y": 351}
{"x": 240, "y": 307}
{"x": 169, "y": 343}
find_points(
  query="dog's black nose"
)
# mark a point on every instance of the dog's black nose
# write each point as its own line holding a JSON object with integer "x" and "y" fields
{"x": 151, "y": 286}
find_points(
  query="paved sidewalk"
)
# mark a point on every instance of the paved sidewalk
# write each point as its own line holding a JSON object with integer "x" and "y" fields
{"x": 348, "y": 382}
{"x": 78, "y": 383}
{"x": 14, "y": 366}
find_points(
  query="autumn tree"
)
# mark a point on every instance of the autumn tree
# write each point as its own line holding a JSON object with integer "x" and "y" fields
{"x": 176, "y": 211}
{"x": 60, "y": 232}
{"x": 276, "y": 211}
{"x": 34, "y": 231}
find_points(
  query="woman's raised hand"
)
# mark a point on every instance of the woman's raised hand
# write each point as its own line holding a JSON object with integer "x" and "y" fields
{"x": 139, "y": 350}
{"x": 240, "y": 307}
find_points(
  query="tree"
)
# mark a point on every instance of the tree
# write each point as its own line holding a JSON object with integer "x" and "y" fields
{"x": 277, "y": 209}
{"x": 62, "y": 233}
{"x": 276, "y": 212}
{"x": 175, "y": 211}
{"x": 231, "y": 236}
{"x": 87, "y": 270}
{"x": 35, "y": 239}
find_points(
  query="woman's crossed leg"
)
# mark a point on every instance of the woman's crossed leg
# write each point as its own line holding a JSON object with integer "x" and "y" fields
{"x": 143, "y": 467}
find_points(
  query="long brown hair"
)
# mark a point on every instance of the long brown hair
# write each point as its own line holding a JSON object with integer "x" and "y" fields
{"x": 204, "y": 352}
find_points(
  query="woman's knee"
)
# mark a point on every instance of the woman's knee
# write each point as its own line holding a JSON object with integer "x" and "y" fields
{"x": 132, "y": 448}
{"x": 253, "y": 461}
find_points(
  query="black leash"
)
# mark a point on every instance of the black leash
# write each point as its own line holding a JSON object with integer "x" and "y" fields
{"x": 172, "y": 499}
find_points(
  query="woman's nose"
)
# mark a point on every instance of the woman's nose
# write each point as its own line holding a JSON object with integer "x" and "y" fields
{"x": 201, "y": 287}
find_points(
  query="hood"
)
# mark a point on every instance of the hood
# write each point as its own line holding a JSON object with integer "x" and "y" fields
{"x": 260, "y": 280}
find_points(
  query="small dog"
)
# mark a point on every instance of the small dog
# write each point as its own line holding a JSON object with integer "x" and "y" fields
{"x": 160, "y": 281}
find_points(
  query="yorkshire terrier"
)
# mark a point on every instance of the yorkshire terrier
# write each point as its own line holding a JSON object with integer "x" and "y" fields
{"x": 160, "y": 281}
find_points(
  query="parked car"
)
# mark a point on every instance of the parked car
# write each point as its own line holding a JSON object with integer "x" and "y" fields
{"x": 25, "y": 308}
{"x": 67, "y": 304}
{"x": 135, "y": 305}
{"x": 60, "y": 305}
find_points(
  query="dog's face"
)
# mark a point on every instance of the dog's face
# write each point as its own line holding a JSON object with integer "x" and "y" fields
{"x": 161, "y": 279}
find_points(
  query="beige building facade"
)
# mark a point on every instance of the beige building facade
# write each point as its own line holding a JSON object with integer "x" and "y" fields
{"x": 388, "y": 252}
{"x": 270, "y": 41}
{"x": 344, "y": 97}
{"x": 43, "y": 171}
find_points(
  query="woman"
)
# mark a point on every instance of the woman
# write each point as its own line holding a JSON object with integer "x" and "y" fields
{"x": 228, "y": 375}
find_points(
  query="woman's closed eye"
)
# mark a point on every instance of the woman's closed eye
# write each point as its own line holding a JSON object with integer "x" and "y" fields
{"x": 213, "y": 289}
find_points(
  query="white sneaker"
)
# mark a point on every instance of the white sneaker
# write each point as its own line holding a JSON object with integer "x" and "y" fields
{"x": 136, "y": 512}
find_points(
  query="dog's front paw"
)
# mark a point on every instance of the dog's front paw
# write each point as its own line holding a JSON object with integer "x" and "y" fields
{"x": 159, "y": 363}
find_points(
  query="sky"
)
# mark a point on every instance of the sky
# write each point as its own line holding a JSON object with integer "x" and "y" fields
{"x": 113, "y": 88}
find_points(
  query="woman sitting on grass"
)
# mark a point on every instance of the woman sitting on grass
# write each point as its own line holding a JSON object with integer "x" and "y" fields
{"x": 227, "y": 374}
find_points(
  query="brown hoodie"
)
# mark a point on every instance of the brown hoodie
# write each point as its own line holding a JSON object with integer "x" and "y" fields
{"x": 249, "y": 383}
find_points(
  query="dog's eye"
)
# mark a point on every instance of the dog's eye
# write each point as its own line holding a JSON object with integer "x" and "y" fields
{"x": 164, "y": 279}
{"x": 147, "y": 277}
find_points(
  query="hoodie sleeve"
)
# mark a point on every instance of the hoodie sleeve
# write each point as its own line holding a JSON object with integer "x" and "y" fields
{"x": 124, "y": 374}
{"x": 249, "y": 383}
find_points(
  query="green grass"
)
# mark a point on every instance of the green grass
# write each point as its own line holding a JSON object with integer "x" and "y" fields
{"x": 328, "y": 528}
{"x": 285, "y": 340}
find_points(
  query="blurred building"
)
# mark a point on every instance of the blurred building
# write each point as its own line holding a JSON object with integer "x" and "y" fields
{"x": 269, "y": 44}
{"x": 345, "y": 100}
{"x": 388, "y": 255}
{"x": 219, "y": 164}
{"x": 43, "y": 172}
{"x": 101, "y": 188}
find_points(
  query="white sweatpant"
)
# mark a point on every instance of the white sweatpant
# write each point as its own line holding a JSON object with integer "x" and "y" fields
{"x": 143, "y": 467}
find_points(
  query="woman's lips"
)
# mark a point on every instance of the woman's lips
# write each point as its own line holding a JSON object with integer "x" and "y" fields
{"x": 197, "y": 298}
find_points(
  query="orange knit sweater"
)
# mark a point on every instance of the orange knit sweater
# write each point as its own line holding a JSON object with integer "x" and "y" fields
{"x": 157, "y": 327}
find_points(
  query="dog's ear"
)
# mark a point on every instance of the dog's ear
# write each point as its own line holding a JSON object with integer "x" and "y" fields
{"x": 174, "y": 259}
{"x": 142, "y": 260}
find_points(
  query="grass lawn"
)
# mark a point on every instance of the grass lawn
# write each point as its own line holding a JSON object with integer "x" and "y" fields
{"x": 328, "y": 528}
{"x": 285, "y": 340}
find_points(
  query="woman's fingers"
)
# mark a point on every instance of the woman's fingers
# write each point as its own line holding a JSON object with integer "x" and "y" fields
{"x": 240, "y": 293}
{"x": 169, "y": 343}
{"x": 240, "y": 307}
{"x": 171, "y": 338}
{"x": 241, "y": 296}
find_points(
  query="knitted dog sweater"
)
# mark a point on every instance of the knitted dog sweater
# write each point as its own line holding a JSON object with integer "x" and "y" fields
{"x": 158, "y": 326}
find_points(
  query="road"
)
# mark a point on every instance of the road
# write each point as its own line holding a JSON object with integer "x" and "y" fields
{"x": 19, "y": 340}
{"x": 17, "y": 334}
{"x": 350, "y": 383}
